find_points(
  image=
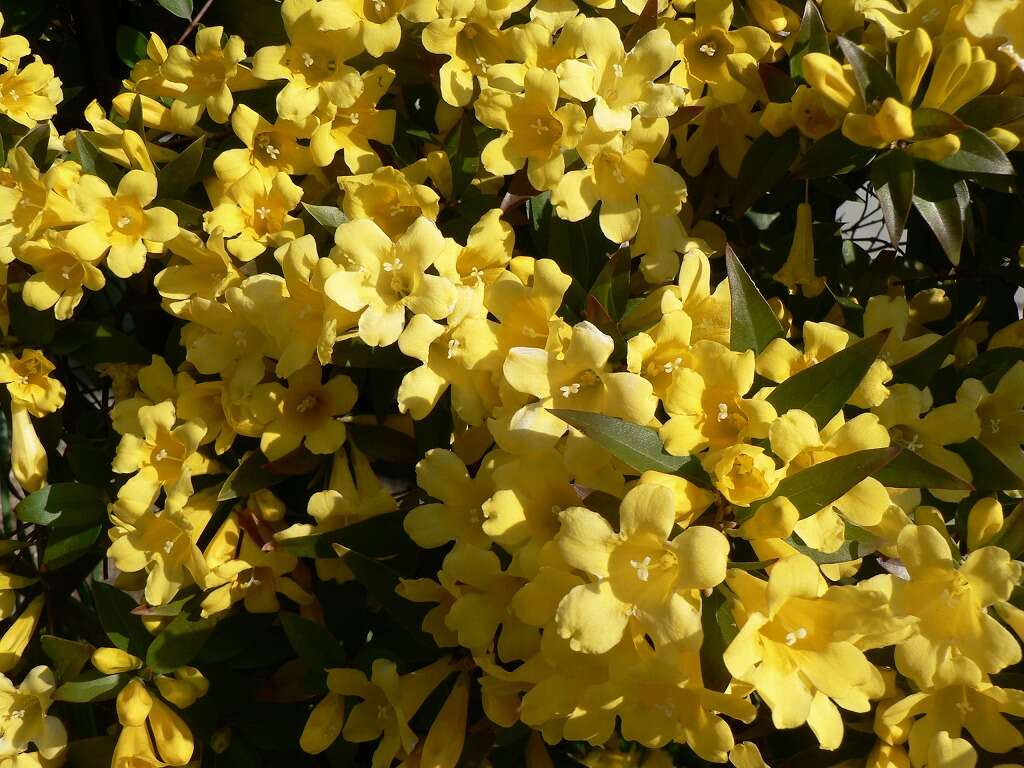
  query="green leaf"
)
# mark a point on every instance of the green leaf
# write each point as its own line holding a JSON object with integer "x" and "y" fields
{"x": 812, "y": 37}
{"x": 182, "y": 172}
{"x": 988, "y": 112}
{"x": 327, "y": 216}
{"x": 638, "y": 447}
{"x": 833, "y": 155}
{"x": 942, "y": 202}
{"x": 978, "y": 154}
{"x": 188, "y": 215}
{"x": 69, "y": 657}
{"x": 135, "y": 118}
{"x": 823, "y": 389}
{"x": 988, "y": 472}
{"x": 753, "y": 322}
{"x": 381, "y": 582}
{"x": 1011, "y": 538}
{"x": 94, "y": 686}
{"x": 892, "y": 177}
{"x": 130, "y": 45}
{"x": 373, "y": 537}
{"x": 766, "y": 163}
{"x": 68, "y": 503}
{"x": 180, "y": 8}
{"x": 816, "y": 487}
{"x": 932, "y": 123}
{"x": 125, "y": 630}
{"x": 36, "y": 143}
{"x": 909, "y": 470}
{"x": 873, "y": 80}
{"x": 719, "y": 628}
{"x": 611, "y": 288}
{"x": 256, "y": 472}
{"x": 312, "y": 643}
{"x": 93, "y": 343}
{"x": 180, "y": 641}
{"x": 857, "y": 543}
{"x": 920, "y": 369}
{"x": 66, "y": 544}
{"x": 95, "y": 162}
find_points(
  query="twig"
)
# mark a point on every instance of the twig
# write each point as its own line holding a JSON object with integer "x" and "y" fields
{"x": 195, "y": 21}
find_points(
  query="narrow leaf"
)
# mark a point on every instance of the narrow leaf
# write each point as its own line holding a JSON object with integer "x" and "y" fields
{"x": 988, "y": 112}
{"x": 753, "y": 322}
{"x": 942, "y": 202}
{"x": 978, "y": 154}
{"x": 182, "y": 172}
{"x": 932, "y": 123}
{"x": 909, "y": 470}
{"x": 823, "y": 389}
{"x": 638, "y": 447}
{"x": 873, "y": 80}
{"x": 180, "y": 8}
{"x": 329, "y": 217}
{"x": 988, "y": 472}
{"x": 767, "y": 162}
{"x": 180, "y": 641}
{"x": 125, "y": 630}
{"x": 812, "y": 37}
{"x": 94, "y": 687}
{"x": 920, "y": 369}
{"x": 892, "y": 177}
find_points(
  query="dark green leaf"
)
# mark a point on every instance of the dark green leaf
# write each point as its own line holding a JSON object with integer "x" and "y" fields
{"x": 823, "y": 389}
{"x": 858, "y": 543}
{"x": 95, "y": 162}
{"x": 312, "y": 642}
{"x": 257, "y": 472}
{"x": 988, "y": 472}
{"x": 942, "y": 202}
{"x": 69, "y": 657}
{"x": 327, "y": 216}
{"x": 932, "y": 123}
{"x": 978, "y": 154}
{"x": 611, "y": 288}
{"x": 908, "y": 470}
{"x": 180, "y": 641}
{"x": 93, "y": 343}
{"x": 636, "y": 446}
{"x": 753, "y": 322}
{"x": 188, "y": 215}
{"x": 374, "y": 537}
{"x": 719, "y": 629}
{"x": 36, "y": 142}
{"x": 920, "y": 369}
{"x": 130, "y": 45}
{"x": 892, "y": 177}
{"x": 766, "y": 163}
{"x": 135, "y": 118}
{"x": 812, "y": 37}
{"x": 180, "y": 8}
{"x": 123, "y": 627}
{"x": 69, "y": 503}
{"x": 381, "y": 582}
{"x": 66, "y": 544}
{"x": 833, "y": 155}
{"x": 816, "y": 487}
{"x": 183, "y": 171}
{"x": 988, "y": 112}
{"x": 873, "y": 80}
{"x": 93, "y": 687}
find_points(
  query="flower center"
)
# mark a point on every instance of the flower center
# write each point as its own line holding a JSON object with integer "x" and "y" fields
{"x": 642, "y": 568}
{"x": 306, "y": 404}
{"x": 798, "y": 634}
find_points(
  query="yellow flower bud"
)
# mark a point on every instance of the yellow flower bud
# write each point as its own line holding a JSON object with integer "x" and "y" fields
{"x": 15, "y": 639}
{"x": 113, "y": 661}
{"x": 324, "y": 724}
{"x": 772, "y": 520}
{"x": 777, "y": 118}
{"x": 935, "y": 149}
{"x": 1004, "y": 139}
{"x": 173, "y": 737}
{"x": 913, "y": 54}
{"x": 950, "y": 66}
{"x": 976, "y": 80}
{"x": 829, "y": 78}
{"x": 443, "y": 746}
{"x": 984, "y": 521}
{"x": 798, "y": 271}
{"x": 134, "y": 703}
{"x": 28, "y": 457}
{"x": 895, "y": 121}
{"x": 811, "y": 115}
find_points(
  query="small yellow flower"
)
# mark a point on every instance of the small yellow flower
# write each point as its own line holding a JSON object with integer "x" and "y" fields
{"x": 253, "y": 213}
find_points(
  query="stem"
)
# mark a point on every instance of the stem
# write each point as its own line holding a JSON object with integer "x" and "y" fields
{"x": 195, "y": 21}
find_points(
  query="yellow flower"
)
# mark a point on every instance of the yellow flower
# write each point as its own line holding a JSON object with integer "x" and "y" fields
{"x": 62, "y": 275}
{"x": 141, "y": 714}
{"x": 575, "y": 374}
{"x": 621, "y": 82}
{"x": 120, "y": 224}
{"x": 390, "y": 197}
{"x": 891, "y": 122}
{"x": 950, "y": 603}
{"x": 534, "y": 129}
{"x": 389, "y": 701}
{"x": 209, "y": 75}
{"x": 353, "y": 128}
{"x": 164, "y": 455}
{"x": 1000, "y": 416}
{"x": 638, "y": 572}
{"x": 781, "y": 359}
{"x": 13, "y": 48}
{"x": 30, "y": 202}
{"x": 384, "y": 278}
{"x": 271, "y": 148}
{"x": 196, "y": 269}
{"x": 742, "y": 473}
{"x": 705, "y": 400}
{"x": 711, "y": 51}
{"x": 620, "y": 175}
{"x": 161, "y": 543}
{"x": 303, "y": 412}
{"x": 798, "y": 271}
{"x": 469, "y": 33}
{"x": 254, "y": 213}
{"x": 313, "y": 61}
{"x": 29, "y": 383}
{"x": 376, "y": 24}
{"x": 24, "y": 722}
{"x": 801, "y": 646}
{"x": 30, "y": 95}
{"x": 525, "y": 308}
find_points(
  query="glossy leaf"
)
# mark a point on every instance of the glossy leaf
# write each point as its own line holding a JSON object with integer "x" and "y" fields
{"x": 989, "y": 111}
{"x": 978, "y": 154}
{"x": 812, "y": 37}
{"x": 183, "y": 171}
{"x": 909, "y": 470}
{"x": 124, "y": 629}
{"x": 179, "y": 642}
{"x": 873, "y": 80}
{"x": 754, "y": 323}
{"x": 180, "y": 8}
{"x": 920, "y": 369}
{"x": 932, "y": 123}
{"x": 328, "y": 216}
{"x": 767, "y": 162}
{"x": 823, "y": 389}
{"x": 93, "y": 687}
{"x": 942, "y": 203}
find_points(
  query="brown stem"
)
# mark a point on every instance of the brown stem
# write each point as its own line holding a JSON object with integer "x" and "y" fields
{"x": 196, "y": 18}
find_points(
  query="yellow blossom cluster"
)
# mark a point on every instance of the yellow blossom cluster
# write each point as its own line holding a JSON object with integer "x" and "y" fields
{"x": 400, "y": 383}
